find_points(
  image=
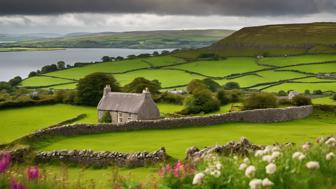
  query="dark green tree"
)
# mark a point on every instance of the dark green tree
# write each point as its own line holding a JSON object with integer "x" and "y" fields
{"x": 231, "y": 85}
{"x": 105, "y": 59}
{"x": 223, "y": 97}
{"x": 90, "y": 88}
{"x": 196, "y": 85}
{"x": 211, "y": 84}
{"x": 60, "y": 65}
{"x": 260, "y": 101}
{"x": 140, "y": 83}
{"x": 201, "y": 101}
{"x": 15, "y": 81}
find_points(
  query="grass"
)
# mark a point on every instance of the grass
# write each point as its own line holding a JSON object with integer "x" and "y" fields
{"x": 177, "y": 141}
{"x": 325, "y": 100}
{"x": 291, "y": 60}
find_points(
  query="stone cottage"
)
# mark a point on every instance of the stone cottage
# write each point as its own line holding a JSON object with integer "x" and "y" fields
{"x": 125, "y": 107}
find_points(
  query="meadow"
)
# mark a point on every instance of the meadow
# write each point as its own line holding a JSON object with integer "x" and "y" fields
{"x": 290, "y": 73}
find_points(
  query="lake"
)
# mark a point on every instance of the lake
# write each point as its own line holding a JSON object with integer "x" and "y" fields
{"x": 21, "y": 63}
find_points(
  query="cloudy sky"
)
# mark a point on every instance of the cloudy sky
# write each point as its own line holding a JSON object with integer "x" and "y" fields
{"x": 65, "y": 16}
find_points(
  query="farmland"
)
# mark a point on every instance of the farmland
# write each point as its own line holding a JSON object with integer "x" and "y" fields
{"x": 270, "y": 74}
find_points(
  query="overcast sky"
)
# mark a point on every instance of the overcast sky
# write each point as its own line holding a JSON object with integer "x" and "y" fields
{"x": 65, "y": 16}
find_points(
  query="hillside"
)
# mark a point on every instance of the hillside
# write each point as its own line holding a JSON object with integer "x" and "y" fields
{"x": 136, "y": 39}
{"x": 275, "y": 40}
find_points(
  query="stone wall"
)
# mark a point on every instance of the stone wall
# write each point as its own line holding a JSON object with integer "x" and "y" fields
{"x": 102, "y": 159}
{"x": 256, "y": 116}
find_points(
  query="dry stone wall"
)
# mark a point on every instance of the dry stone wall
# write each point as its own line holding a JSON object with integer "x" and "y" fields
{"x": 256, "y": 116}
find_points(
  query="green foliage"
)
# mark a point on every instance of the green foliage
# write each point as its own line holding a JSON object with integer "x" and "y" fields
{"x": 260, "y": 101}
{"x": 282, "y": 93}
{"x": 106, "y": 117}
{"x": 317, "y": 92}
{"x": 15, "y": 81}
{"x": 223, "y": 97}
{"x": 49, "y": 68}
{"x": 170, "y": 98}
{"x": 231, "y": 85}
{"x": 307, "y": 92}
{"x": 60, "y": 65}
{"x": 208, "y": 56}
{"x": 301, "y": 100}
{"x": 140, "y": 83}
{"x": 334, "y": 96}
{"x": 201, "y": 101}
{"x": 32, "y": 74}
{"x": 196, "y": 85}
{"x": 90, "y": 88}
{"x": 211, "y": 84}
{"x": 5, "y": 86}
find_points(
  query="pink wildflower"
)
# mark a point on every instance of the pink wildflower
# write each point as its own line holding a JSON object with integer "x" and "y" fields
{"x": 5, "y": 161}
{"x": 33, "y": 173}
{"x": 178, "y": 168}
{"x": 16, "y": 185}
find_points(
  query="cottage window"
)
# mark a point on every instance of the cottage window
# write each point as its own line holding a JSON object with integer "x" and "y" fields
{"x": 120, "y": 118}
{"x": 129, "y": 118}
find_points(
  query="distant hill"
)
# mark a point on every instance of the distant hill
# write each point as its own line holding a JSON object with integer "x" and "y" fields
{"x": 24, "y": 37}
{"x": 136, "y": 39}
{"x": 287, "y": 39}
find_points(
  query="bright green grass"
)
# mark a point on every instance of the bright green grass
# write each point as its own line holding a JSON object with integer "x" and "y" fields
{"x": 15, "y": 123}
{"x": 325, "y": 100}
{"x": 301, "y": 87}
{"x": 43, "y": 81}
{"x": 177, "y": 141}
{"x": 163, "y": 60}
{"x": 290, "y": 60}
{"x": 315, "y": 68}
{"x": 222, "y": 67}
{"x": 168, "y": 78}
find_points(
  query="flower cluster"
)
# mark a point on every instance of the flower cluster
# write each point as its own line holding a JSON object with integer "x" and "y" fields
{"x": 214, "y": 167}
{"x": 178, "y": 170}
{"x": 5, "y": 161}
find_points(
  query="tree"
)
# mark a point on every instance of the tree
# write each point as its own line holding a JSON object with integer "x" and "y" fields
{"x": 5, "y": 86}
{"x": 260, "y": 101}
{"x": 140, "y": 83}
{"x": 282, "y": 93}
{"x": 307, "y": 92}
{"x": 211, "y": 84}
{"x": 195, "y": 85}
{"x": 105, "y": 59}
{"x": 48, "y": 68}
{"x": 201, "y": 101}
{"x": 15, "y": 81}
{"x": 155, "y": 53}
{"x": 301, "y": 100}
{"x": 90, "y": 88}
{"x": 317, "y": 92}
{"x": 334, "y": 96}
{"x": 60, "y": 65}
{"x": 231, "y": 85}
{"x": 32, "y": 74}
{"x": 106, "y": 118}
{"x": 223, "y": 97}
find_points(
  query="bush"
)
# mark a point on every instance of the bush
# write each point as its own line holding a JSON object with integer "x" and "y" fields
{"x": 15, "y": 81}
{"x": 301, "y": 100}
{"x": 106, "y": 118}
{"x": 211, "y": 84}
{"x": 317, "y": 92}
{"x": 140, "y": 83}
{"x": 260, "y": 101}
{"x": 285, "y": 101}
{"x": 196, "y": 85}
{"x": 307, "y": 92}
{"x": 334, "y": 96}
{"x": 282, "y": 93}
{"x": 223, "y": 97}
{"x": 167, "y": 97}
{"x": 90, "y": 88}
{"x": 231, "y": 85}
{"x": 201, "y": 101}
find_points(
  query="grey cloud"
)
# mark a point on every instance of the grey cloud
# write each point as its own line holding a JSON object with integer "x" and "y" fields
{"x": 168, "y": 7}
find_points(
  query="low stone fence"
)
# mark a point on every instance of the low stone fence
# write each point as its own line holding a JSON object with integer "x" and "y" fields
{"x": 256, "y": 116}
{"x": 102, "y": 159}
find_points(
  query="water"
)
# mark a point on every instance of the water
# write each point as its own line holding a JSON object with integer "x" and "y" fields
{"x": 21, "y": 63}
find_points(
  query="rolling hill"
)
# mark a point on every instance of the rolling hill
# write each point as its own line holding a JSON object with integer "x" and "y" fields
{"x": 136, "y": 39}
{"x": 275, "y": 40}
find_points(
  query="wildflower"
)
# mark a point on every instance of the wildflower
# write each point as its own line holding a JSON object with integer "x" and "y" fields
{"x": 242, "y": 166}
{"x": 246, "y": 160}
{"x": 215, "y": 173}
{"x": 331, "y": 141}
{"x": 268, "y": 149}
{"x": 255, "y": 184}
{"x": 270, "y": 168}
{"x": 165, "y": 170}
{"x": 267, "y": 183}
{"x": 5, "y": 160}
{"x": 298, "y": 156}
{"x": 267, "y": 158}
{"x": 177, "y": 168}
{"x": 330, "y": 156}
{"x": 218, "y": 166}
{"x": 16, "y": 185}
{"x": 198, "y": 178}
{"x": 313, "y": 165}
{"x": 250, "y": 171}
{"x": 259, "y": 153}
{"x": 33, "y": 173}
{"x": 275, "y": 148}
{"x": 275, "y": 154}
{"x": 306, "y": 146}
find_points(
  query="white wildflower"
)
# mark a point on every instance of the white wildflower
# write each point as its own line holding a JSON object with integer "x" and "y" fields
{"x": 246, "y": 160}
{"x": 306, "y": 146}
{"x": 268, "y": 149}
{"x": 255, "y": 184}
{"x": 235, "y": 157}
{"x": 198, "y": 178}
{"x": 259, "y": 153}
{"x": 298, "y": 156}
{"x": 250, "y": 171}
{"x": 276, "y": 154}
{"x": 267, "y": 158}
{"x": 218, "y": 166}
{"x": 271, "y": 168}
{"x": 275, "y": 148}
{"x": 267, "y": 183}
{"x": 313, "y": 165}
{"x": 331, "y": 141}
{"x": 330, "y": 156}
{"x": 242, "y": 166}
{"x": 215, "y": 173}
{"x": 302, "y": 157}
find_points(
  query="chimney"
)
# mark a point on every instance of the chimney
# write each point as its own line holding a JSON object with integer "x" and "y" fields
{"x": 107, "y": 89}
{"x": 146, "y": 92}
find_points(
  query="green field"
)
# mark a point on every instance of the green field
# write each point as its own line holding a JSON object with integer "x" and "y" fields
{"x": 290, "y": 73}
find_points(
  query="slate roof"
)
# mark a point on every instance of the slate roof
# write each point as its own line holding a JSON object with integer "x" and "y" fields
{"x": 122, "y": 102}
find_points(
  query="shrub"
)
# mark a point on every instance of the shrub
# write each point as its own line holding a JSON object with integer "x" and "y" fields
{"x": 223, "y": 97}
{"x": 90, "y": 88}
{"x": 334, "y": 96}
{"x": 317, "y": 92}
{"x": 196, "y": 85}
{"x": 282, "y": 93}
{"x": 140, "y": 83}
{"x": 209, "y": 56}
{"x": 32, "y": 74}
{"x": 260, "y": 101}
{"x": 211, "y": 84}
{"x": 231, "y": 85}
{"x": 171, "y": 98}
{"x": 301, "y": 100}
{"x": 15, "y": 81}
{"x": 285, "y": 101}
{"x": 307, "y": 92}
{"x": 106, "y": 118}
{"x": 201, "y": 101}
